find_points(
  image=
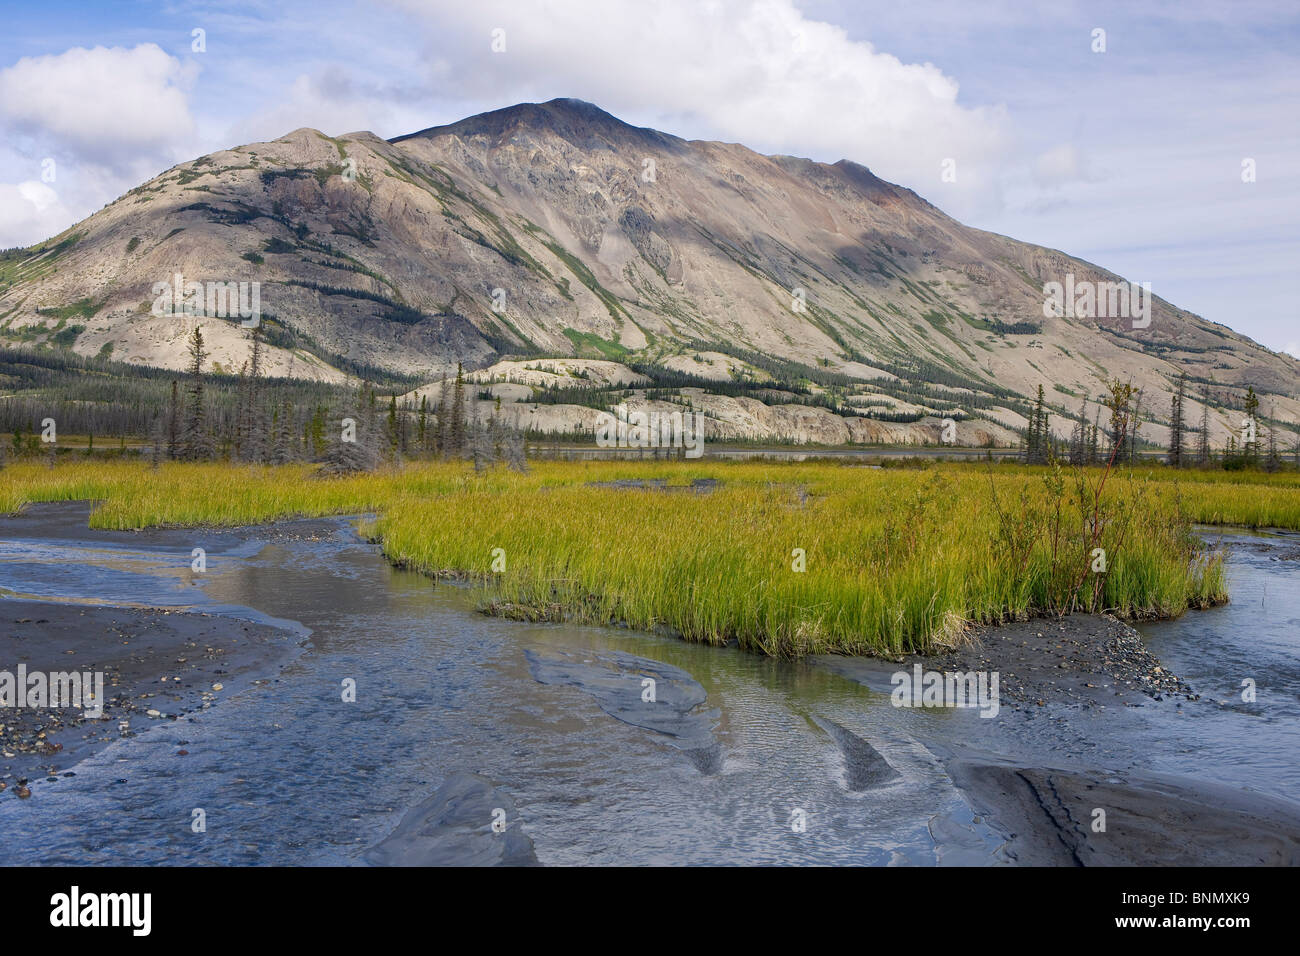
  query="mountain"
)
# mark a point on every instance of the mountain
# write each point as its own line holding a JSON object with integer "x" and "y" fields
{"x": 554, "y": 230}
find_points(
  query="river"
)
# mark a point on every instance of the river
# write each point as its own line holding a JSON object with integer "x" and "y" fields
{"x": 747, "y": 760}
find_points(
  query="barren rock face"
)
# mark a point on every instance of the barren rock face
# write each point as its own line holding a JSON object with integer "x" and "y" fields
{"x": 556, "y": 229}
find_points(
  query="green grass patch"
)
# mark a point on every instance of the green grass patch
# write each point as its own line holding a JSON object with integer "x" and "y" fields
{"x": 894, "y": 560}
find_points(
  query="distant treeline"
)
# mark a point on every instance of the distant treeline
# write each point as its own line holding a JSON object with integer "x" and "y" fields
{"x": 201, "y": 416}
{"x": 1112, "y": 433}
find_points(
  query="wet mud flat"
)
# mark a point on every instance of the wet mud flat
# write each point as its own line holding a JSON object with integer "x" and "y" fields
{"x": 69, "y": 521}
{"x": 1072, "y": 818}
{"x": 1088, "y": 660}
{"x": 1081, "y": 672}
{"x": 157, "y": 664}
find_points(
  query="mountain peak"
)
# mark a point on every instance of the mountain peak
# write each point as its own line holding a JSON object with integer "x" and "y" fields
{"x": 577, "y": 121}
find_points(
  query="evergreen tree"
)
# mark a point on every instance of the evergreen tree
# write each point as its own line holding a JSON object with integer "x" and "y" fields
{"x": 1038, "y": 443}
{"x": 444, "y": 419}
{"x": 197, "y": 440}
{"x": 256, "y": 427}
{"x": 240, "y": 438}
{"x": 479, "y": 438}
{"x": 1176, "y": 427}
{"x": 1203, "y": 439}
{"x": 1250, "y": 437}
{"x": 1134, "y": 425}
{"x": 404, "y": 428}
{"x": 391, "y": 429}
{"x": 351, "y": 448}
{"x": 498, "y": 431}
{"x": 1079, "y": 436}
{"x": 457, "y": 434}
{"x": 283, "y": 450}
{"x": 370, "y": 431}
{"x": 174, "y": 423}
{"x": 422, "y": 430}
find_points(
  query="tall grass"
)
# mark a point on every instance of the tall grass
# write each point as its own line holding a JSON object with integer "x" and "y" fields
{"x": 784, "y": 559}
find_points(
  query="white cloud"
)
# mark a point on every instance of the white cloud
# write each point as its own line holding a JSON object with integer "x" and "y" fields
{"x": 105, "y": 105}
{"x": 334, "y": 101}
{"x": 94, "y": 123}
{"x": 1292, "y": 349}
{"x": 1062, "y": 165}
{"x": 40, "y": 196}
{"x": 30, "y": 211}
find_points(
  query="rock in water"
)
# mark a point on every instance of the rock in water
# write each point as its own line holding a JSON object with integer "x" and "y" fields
{"x": 617, "y": 683}
{"x": 454, "y": 827}
{"x": 864, "y": 767}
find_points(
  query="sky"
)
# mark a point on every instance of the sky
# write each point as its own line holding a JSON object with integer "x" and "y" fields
{"x": 1160, "y": 140}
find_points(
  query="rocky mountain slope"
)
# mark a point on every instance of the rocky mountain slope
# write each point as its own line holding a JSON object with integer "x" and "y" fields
{"x": 555, "y": 230}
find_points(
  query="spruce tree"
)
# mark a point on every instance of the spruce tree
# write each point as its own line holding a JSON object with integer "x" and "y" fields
{"x": 1250, "y": 436}
{"x": 1079, "y": 436}
{"x": 394, "y": 440}
{"x": 1135, "y": 424}
{"x": 174, "y": 423}
{"x": 457, "y": 435}
{"x": 444, "y": 419}
{"x": 256, "y": 427}
{"x": 197, "y": 441}
{"x": 422, "y": 431}
{"x": 1038, "y": 443}
{"x": 351, "y": 447}
{"x": 283, "y": 450}
{"x": 479, "y": 439}
{"x": 1176, "y": 427}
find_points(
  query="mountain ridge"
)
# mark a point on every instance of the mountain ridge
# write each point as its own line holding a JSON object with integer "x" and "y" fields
{"x": 556, "y": 229}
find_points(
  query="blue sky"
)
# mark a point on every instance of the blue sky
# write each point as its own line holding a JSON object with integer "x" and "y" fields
{"x": 1131, "y": 157}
